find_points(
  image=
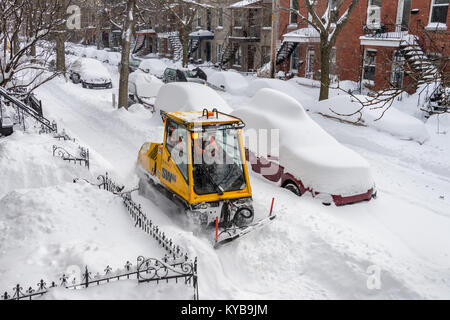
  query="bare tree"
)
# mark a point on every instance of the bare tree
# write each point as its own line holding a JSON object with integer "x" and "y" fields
{"x": 329, "y": 26}
{"x": 24, "y": 24}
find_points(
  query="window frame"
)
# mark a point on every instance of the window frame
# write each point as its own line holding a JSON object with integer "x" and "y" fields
{"x": 372, "y": 64}
{"x": 291, "y": 14}
{"x": 432, "y": 6}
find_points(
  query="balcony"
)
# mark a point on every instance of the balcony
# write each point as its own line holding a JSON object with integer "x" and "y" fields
{"x": 246, "y": 33}
{"x": 386, "y": 35}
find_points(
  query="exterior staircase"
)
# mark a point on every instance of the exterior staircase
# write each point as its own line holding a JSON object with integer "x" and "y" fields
{"x": 194, "y": 46}
{"x": 285, "y": 51}
{"x": 175, "y": 43}
{"x": 418, "y": 62}
{"x": 138, "y": 44}
{"x": 229, "y": 51}
{"x": 23, "y": 109}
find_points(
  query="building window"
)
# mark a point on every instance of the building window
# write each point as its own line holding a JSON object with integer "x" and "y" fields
{"x": 370, "y": 59}
{"x": 374, "y": 14}
{"x": 398, "y": 63}
{"x": 333, "y": 61}
{"x": 219, "y": 52}
{"x": 237, "y": 18}
{"x": 439, "y": 9}
{"x": 265, "y": 54}
{"x": 293, "y": 16}
{"x": 295, "y": 60}
{"x": 267, "y": 16}
{"x": 238, "y": 57}
{"x": 199, "y": 19}
{"x": 220, "y": 17}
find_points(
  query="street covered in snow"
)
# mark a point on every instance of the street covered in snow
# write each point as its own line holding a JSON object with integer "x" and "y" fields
{"x": 396, "y": 246}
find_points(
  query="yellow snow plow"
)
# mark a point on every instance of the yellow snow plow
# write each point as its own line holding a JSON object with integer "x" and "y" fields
{"x": 201, "y": 167}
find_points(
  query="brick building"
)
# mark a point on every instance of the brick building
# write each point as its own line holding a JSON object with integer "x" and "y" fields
{"x": 382, "y": 40}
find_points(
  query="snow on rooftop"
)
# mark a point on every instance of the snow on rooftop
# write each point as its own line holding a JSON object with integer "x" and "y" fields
{"x": 244, "y": 3}
{"x": 302, "y": 35}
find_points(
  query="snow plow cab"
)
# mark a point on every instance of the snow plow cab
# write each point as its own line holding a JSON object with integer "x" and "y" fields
{"x": 201, "y": 167}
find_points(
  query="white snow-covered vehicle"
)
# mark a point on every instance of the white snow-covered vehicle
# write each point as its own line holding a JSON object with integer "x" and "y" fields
{"x": 154, "y": 66}
{"x": 309, "y": 159}
{"x": 188, "y": 96}
{"x": 143, "y": 88}
{"x": 91, "y": 73}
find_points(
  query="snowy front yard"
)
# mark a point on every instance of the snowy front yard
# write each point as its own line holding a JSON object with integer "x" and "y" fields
{"x": 49, "y": 224}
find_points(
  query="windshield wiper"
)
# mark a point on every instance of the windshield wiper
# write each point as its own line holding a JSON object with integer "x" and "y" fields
{"x": 218, "y": 188}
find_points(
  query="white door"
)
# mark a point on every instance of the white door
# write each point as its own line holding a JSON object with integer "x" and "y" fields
{"x": 309, "y": 72}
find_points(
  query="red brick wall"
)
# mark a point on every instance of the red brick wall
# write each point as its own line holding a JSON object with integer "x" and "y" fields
{"x": 349, "y": 52}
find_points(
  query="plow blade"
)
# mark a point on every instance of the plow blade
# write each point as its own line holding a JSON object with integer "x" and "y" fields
{"x": 230, "y": 234}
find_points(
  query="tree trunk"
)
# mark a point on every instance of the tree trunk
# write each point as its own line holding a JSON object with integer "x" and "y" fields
{"x": 60, "y": 52}
{"x": 98, "y": 31}
{"x": 185, "y": 45}
{"x": 324, "y": 69}
{"x": 60, "y": 39}
{"x": 128, "y": 28}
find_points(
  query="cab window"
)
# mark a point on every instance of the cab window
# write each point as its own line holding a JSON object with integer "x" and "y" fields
{"x": 176, "y": 144}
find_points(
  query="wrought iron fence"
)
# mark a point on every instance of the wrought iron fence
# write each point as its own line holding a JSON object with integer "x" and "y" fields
{"x": 144, "y": 271}
{"x": 139, "y": 217}
{"x": 81, "y": 158}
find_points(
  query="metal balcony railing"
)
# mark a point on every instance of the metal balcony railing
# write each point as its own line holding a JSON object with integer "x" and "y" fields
{"x": 385, "y": 31}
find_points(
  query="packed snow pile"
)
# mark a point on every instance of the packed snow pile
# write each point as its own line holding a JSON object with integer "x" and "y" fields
{"x": 50, "y": 230}
{"x": 231, "y": 82}
{"x": 27, "y": 162}
{"x": 153, "y": 66}
{"x": 184, "y": 96}
{"x": 124, "y": 290}
{"x": 393, "y": 121}
{"x": 305, "y": 149}
{"x": 281, "y": 86}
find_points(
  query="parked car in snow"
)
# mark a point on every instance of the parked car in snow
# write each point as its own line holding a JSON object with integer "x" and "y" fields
{"x": 133, "y": 65}
{"x": 90, "y": 73}
{"x": 154, "y": 66}
{"x": 308, "y": 159}
{"x": 143, "y": 88}
{"x": 184, "y": 75}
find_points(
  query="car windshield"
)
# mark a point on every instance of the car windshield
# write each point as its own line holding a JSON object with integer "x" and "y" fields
{"x": 135, "y": 63}
{"x": 217, "y": 161}
{"x": 190, "y": 74}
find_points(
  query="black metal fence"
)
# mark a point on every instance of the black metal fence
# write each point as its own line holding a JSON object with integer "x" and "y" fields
{"x": 146, "y": 270}
{"x": 81, "y": 158}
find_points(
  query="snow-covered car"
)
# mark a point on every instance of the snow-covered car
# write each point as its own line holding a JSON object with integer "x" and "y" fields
{"x": 184, "y": 75}
{"x": 153, "y": 66}
{"x": 143, "y": 88}
{"x": 186, "y": 96}
{"x": 308, "y": 159}
{"x": 228, "y": 81}
{"x": 286, "y": 87}
{"x": 91, "y": 73}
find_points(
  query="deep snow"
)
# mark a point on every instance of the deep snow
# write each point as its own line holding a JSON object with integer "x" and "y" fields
{"x": 310, "y": 251}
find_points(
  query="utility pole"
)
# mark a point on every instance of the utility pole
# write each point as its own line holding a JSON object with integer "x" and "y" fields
{"x": 273, "y": 49}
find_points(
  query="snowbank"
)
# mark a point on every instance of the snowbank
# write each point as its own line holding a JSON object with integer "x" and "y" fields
{"x": 66, "y": 227}
{"x": 280, "y": 85}
{"x": 393, "y": 121}
{"x": 124, "y": 290}
{"x": 153, "y": 66}
{"x": 27, "y": 162}
{"x": 231, "y": 82}
{"x": 305, "y": 149}
{"x": 185, "y": 96}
